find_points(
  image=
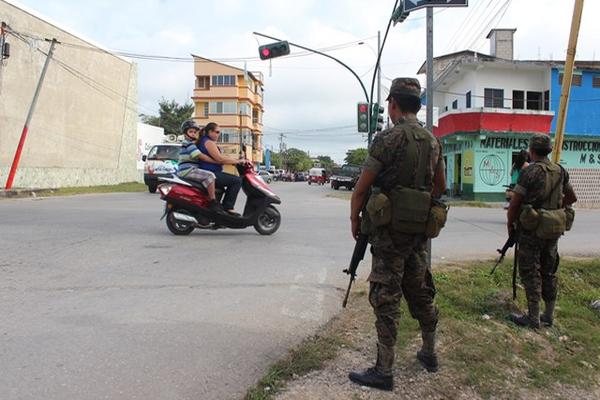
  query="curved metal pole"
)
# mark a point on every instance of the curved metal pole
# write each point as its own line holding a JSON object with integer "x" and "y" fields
{"x": 325, "y": 55}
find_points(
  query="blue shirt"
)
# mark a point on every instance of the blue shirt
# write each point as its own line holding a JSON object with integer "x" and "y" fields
{"x": 213, "y": 167}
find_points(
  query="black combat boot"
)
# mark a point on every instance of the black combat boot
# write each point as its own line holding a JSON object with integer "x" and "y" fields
{"x": 531, "y": 319}
{"x": 373, "y": 378}
{"x": 427, "y": 356}
{"x": 548, "y": 316}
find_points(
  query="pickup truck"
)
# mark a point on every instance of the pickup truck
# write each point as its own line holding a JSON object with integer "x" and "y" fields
{"x": 345, "y": 176}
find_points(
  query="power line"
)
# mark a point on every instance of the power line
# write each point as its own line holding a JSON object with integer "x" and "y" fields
{"x": 461, "y": 27}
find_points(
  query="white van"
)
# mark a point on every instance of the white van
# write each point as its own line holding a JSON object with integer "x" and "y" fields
{"x": 161, "y": 161}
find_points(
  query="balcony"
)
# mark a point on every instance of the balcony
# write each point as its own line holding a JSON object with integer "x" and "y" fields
{"x": 482, "y": 120}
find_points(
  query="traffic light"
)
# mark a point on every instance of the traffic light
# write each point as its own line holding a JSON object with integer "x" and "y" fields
{"x": 363, "y": 117}
{"x": 273, "y": 50}
{"x": 376, "y": 118}
{"x": 399, "y": 14}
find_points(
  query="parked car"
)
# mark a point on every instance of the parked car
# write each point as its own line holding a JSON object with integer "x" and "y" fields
{"x": 265, "y": 175}
{"x": 161, "y": 162}
{"x": 345, "y": 176}
{"x": 299, "y": 177}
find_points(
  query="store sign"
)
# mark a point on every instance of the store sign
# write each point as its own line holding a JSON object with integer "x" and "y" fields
{"x": 505, "y": 143}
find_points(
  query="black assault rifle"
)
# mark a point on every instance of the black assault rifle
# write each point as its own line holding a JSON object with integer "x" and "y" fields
{"x": 510, "y": 242}
{"x": 357, "y": 255}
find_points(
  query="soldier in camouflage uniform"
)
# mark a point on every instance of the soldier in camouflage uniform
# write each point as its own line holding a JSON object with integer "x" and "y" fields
{"x": 538, "y": 258}
{"x": 399, "y": 260}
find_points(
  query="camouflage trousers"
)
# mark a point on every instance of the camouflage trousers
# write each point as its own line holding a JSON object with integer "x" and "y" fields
{"x": 538, "y": 264}
{"x": 399, "y": 268}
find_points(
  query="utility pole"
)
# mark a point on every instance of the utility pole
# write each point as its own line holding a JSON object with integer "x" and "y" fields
{"x": 17, "y": 158}
{"x": 429, "y": 94}
{"x": 567, "y": 81}
{"x": 379, "y": 69}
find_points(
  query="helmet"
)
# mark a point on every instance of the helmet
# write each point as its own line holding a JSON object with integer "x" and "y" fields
{"x": 189, "y": 124}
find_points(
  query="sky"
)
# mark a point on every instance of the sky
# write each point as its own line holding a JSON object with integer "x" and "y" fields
{"x": 309, "y": 98}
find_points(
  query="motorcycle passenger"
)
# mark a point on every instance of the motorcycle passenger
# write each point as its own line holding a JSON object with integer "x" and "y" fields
{"x": 189, "y": 163}
{"x": 231, "y": 183}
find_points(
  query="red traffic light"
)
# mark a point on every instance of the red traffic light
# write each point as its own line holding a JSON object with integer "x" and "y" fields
{"x": 363, "y": 108}
{"x": 273, "y": 50}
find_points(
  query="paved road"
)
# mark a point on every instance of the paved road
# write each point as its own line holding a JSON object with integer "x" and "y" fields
{"x": 100, "y": 301}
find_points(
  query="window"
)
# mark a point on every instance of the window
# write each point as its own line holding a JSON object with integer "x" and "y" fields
{"x": 547, "y": 100}
{"x": 455, "y": 104}
{"x": 468, "y": 99}
{"x": 245, "y": 109}
{"x": 518, "y": 102}
{"x": 203, "y": 110}
{"x": 534, "y": 101}
{"x": 223, "y": 80}
{"x": 493, "y": 98}
{"x": 223, "y": 107}
{"x": 255, "y": 116}
{"x": 203, "y": 82}
{"x": 446, "y": 108}
{"x": 229, "y": 135}
{"x": 596, "y": 81}
{"x": 576, "y": 79}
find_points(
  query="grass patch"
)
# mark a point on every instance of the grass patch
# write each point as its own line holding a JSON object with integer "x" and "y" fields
{"x": 473, "y": 203}
{"x": 494, "y": 356}
{"x": 453, "y": 203}
{"x": 120, "y": 188}
{"x": 308, "y": 356}
{"x": 340, "y": 195}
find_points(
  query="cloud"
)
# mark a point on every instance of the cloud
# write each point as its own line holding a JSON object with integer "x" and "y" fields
{"x": 304, "y": 93}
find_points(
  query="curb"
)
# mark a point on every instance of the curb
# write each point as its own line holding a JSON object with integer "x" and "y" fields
{"x": 23, "y": 193}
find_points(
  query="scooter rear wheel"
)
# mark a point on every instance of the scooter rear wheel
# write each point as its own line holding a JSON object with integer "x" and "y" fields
{"x": 176, "y": 227}
{"x": 268, "y": 222}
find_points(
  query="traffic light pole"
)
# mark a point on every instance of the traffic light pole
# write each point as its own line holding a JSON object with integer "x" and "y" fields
{"x": 324, "y": 55}
{"x": 429, "y": 93}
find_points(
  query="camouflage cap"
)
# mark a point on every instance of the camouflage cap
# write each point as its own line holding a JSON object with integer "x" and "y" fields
{"x": 405, "y": 86}
{"x": 540, "y": 142}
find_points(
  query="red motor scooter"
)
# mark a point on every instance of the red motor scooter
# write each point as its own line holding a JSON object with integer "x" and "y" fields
{"x": 187, "y": 205}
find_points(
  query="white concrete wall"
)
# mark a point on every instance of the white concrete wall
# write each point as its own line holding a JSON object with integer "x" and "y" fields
{"x": 493, "y": 77}
{"x": 84, "y": 128}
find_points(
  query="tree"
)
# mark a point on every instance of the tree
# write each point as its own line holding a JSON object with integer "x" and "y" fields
{"x": 170, "y": 116}
{"x": 356, "y": 156}
{"x": 326, "y": 162}
{"x": 296, "y": 160}
{"x": 276, "y": 160}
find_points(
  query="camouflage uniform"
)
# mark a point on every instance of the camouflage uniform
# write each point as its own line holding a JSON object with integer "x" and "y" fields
{"x": 538, "y": 258}
{"x": 399, "y": 260}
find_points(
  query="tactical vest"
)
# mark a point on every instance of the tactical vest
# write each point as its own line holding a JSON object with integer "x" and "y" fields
{"x": 406, "y": 206}
{"x": 546, "y": 216}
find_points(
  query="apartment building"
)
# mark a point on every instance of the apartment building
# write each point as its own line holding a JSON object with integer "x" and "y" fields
{"x": 233, "y": 98}
{"x": 490, "y": 105}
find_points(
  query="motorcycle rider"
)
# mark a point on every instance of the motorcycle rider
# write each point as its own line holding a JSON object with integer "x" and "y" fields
{"x": 231, "y": 183}
{"x": 189, "y": 161}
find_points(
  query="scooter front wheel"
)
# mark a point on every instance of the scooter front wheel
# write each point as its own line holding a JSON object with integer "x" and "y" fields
{"x": 268, "y": 222}
{"x": 178, "y": 227}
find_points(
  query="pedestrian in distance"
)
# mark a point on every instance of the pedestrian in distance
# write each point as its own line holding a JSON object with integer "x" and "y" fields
{"x": 540, "y": 210}
{"x": 404, "y": 172}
